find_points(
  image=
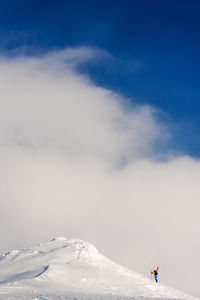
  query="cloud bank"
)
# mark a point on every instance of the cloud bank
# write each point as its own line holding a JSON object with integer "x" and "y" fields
{"x": 81, "y": 161}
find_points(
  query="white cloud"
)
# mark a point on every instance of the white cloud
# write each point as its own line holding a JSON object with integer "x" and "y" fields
{"x": 77, "y": 160}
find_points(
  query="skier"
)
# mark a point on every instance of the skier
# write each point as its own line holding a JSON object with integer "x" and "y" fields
{"x": 155, "y": 273}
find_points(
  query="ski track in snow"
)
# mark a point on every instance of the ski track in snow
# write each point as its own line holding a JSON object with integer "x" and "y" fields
{"x": 74, "y": 270}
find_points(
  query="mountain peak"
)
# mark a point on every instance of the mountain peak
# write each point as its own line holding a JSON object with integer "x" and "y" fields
{"x": 59, "y": 239}
{"x": 61, "y": 268}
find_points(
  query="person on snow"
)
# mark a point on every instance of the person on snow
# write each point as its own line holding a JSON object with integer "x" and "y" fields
{"x": 155, "y": 273}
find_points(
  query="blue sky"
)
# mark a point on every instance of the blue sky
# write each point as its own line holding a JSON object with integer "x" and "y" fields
{"x": 154, "y": 48}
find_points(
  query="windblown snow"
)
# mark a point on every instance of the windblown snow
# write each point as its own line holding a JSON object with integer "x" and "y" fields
{"x": 73, "y": 269}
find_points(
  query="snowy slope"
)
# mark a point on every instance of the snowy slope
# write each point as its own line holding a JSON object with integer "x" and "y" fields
{"x": 74, "y": 269}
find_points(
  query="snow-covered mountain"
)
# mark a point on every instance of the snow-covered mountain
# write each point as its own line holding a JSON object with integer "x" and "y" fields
{"x": 74, "y": 269}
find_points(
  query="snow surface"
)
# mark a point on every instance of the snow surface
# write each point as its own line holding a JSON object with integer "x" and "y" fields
{"x": 73, "y": 270}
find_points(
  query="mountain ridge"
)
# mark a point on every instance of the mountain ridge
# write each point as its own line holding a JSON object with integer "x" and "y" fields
{"x": 61, "y": 268}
